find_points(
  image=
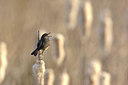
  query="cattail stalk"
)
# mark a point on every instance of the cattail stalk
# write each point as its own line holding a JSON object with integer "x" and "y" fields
{"x": 3, "y": 60}
{"x": 39, "y": 68}
{"x": 88, "y": 17}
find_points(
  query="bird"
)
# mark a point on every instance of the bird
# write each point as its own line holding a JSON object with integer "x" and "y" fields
{"x": 42, "y": 44}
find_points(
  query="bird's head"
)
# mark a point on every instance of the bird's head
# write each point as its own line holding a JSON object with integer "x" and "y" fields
{"x": 46, "y": 35}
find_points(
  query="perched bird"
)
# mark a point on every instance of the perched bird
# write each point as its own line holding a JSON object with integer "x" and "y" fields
{"x": 42, "y": 44}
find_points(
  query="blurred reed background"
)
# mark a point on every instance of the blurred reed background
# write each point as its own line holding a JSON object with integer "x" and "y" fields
{"x": 89, "y": 44}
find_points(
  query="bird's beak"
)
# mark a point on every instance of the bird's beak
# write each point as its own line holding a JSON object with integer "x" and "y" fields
{"x": 49, "y": 34}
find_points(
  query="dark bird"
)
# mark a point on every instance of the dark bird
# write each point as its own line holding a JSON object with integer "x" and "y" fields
{"x": 42, "y": 44}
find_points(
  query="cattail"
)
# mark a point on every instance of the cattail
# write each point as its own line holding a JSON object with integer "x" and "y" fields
{"x": 106, "y": 33}
{"x": 3, "y": 60}
{"x": 39, "y": 67}
{"x": 74, "y": 4}
{"x": 88, "y": 17}
{"x": 105, "y": 78}
{"x": 94, "y": 72}
{"x": 49, "y": 77}
{"x": 38, "y": 71}
{"x": 60, "y": 53}
{"x": 64, "y": 79}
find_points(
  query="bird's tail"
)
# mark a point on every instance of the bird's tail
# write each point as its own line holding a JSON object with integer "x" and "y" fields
{"x": 34, "y": 52}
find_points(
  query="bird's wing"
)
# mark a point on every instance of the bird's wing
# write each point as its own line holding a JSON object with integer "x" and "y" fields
{"x": 39, "y": 45}
{"x": 46, "y": 44}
